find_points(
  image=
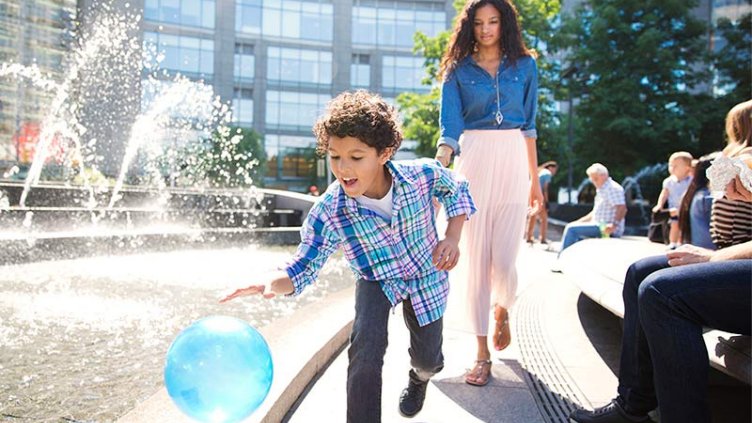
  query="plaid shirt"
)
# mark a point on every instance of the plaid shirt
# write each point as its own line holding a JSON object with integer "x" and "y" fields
{"x": 395, "y": 253}
{"x": 607, "y": 197}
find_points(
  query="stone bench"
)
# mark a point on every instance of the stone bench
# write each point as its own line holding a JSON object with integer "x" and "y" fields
{"x": 602, "y": 280}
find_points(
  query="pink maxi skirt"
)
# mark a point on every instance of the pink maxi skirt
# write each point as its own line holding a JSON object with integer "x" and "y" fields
{"x": 496, "y": 166}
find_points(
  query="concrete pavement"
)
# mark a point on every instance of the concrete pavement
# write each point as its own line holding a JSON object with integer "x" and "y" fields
{"x": 532, "y": 381}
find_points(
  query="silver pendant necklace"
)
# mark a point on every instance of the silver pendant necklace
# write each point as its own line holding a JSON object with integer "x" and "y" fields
{"x": 499, "y": 116}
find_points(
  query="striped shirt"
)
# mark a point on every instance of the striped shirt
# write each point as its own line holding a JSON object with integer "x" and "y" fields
{"x": 396, "y": 252}
{"x": 730, "y": 222}
{"x": 607, "y": 197}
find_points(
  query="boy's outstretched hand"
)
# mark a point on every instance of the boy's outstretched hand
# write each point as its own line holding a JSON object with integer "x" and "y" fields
{"x": 446, "y": 254}
{"x": 251, "y": 290}
{"x": 278, "y": 283}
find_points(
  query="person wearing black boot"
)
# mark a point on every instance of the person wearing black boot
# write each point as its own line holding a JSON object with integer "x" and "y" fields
{"x": 381, "y": 213}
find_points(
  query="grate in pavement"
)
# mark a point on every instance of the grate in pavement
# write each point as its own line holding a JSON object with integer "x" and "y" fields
{"x": 554, "y": 392}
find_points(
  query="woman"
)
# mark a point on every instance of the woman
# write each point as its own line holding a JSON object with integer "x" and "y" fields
{"x": 488, "y": 105}
{"x": 694, "y": 211}
{"x": 731, "y": 220}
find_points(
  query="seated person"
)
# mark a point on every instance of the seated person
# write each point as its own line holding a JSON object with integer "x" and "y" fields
{"x": 694, "y": 211}
{"x": 669, "y": 299}
{"x": 607, "y": 216}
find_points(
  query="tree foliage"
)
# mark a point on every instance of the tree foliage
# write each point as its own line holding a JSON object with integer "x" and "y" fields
{"x": 639, "y": 62}
{"x": 421, "y": 111}
{"x": 733, "y": 80}
{"x": 232, "y": 157}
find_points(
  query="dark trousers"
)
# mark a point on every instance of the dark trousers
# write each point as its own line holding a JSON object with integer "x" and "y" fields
{"x": 368, "y": 343}
{"x": 664, "y": 361}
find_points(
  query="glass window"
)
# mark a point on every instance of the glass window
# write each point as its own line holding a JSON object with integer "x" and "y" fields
{"x": 403, "y": 73}
{"x": 198, "y": 13}
{"x": 248, "y": 16}
{"x": 301, "y": 67}
{"x": 293, "y": 110}
{"x": 190, "y": 56}
{"x": 290, "y": 156}
{"x": 360, "y": 71}
{"x": 245, "y": 62}
{"x": 299, "y": 19}
{"x": 394, "y": 24}
{"x": 242, "y": 107}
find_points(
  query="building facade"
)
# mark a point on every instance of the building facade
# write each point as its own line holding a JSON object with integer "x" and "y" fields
{"x": 37, "y": 33}
{"x": 278, "y": 62}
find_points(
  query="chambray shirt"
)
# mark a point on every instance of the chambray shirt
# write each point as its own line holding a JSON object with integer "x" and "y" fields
{"x": 468, "y": 99}
{"x": 396, "y": 252}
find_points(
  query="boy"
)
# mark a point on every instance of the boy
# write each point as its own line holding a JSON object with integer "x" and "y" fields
{"x": 381, "y": 213}
{"x": 674, "y": 187}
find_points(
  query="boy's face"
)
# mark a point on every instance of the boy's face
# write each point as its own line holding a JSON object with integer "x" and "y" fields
{"x": 678, "y": 168}
{"x": 358, "y": 167}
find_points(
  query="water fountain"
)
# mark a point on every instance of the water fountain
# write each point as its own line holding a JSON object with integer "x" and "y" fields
{"x": 182, "y": 186}
{"x": 83, "y": 337}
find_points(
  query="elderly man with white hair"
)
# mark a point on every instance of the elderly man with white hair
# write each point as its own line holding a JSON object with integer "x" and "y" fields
{"x": 607, "y": 216}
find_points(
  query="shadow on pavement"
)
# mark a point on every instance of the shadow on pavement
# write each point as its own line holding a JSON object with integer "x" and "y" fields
{"x": 603, "y": 329}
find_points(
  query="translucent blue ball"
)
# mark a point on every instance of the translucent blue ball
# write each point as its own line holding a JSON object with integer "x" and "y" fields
{"x": 219, "y": 369}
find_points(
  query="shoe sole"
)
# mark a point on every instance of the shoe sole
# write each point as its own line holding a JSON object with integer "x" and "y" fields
{"x": 409, "y": 416}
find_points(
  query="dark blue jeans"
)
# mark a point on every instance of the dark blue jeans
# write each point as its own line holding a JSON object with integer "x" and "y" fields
{"x": 664, "y": 361}
{"x": 368, "y": 343}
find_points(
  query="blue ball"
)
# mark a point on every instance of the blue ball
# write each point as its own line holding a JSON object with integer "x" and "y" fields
{"x": 219, "y": 369}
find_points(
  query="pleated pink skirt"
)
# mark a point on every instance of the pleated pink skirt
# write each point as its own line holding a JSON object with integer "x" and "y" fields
{"x": 496, "y": 166}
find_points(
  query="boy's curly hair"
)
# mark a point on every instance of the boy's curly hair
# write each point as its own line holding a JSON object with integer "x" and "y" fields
{"x": 362, "y": 115}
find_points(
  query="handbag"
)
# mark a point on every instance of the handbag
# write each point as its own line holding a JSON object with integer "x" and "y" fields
{"x": 659, "y": 227}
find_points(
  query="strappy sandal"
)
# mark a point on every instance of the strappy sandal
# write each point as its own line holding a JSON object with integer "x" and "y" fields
{"x": 502, "y": 336}
{"x": 480, "y": 373}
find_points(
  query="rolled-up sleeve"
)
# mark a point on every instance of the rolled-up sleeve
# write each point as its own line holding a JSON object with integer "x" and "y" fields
{"x": 450, "y": 114}
{"x": 318, "y": 240}
{"x": 452, "y": 191}
{"x": 530, "y": 102}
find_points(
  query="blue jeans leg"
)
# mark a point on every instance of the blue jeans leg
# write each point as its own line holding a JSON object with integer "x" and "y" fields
{"x": 426, "y": 357}
{"x": 636, "y": 389}
{"x": 576, "y": 231}
{"x": 368, "y": 342}
{"x": 674, "y": 306}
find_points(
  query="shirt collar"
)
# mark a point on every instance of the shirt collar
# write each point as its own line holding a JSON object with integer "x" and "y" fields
{"x": 605, "y": 184}
{"x": 399, "y": 179}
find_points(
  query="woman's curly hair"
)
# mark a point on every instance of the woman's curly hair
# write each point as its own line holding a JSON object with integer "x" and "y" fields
{"x": 362, "y": 115}
{"x": 462, "y": 41}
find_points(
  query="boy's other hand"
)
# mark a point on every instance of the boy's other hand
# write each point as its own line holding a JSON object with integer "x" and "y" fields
{"x": 446, "y": 254}
{"x": 251, "y": 290}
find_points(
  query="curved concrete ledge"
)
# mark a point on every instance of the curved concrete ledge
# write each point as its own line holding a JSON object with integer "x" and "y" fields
{"x": 598, "y": 266}
{"x": 303, "y": 345}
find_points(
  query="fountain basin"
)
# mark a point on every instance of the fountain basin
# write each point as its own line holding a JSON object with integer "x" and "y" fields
{"x": 50, "y": 228}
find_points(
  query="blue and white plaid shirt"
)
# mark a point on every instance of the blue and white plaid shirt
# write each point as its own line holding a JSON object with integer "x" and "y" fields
{"x": 607, "y": 197}
{"x": 395, "y": 253}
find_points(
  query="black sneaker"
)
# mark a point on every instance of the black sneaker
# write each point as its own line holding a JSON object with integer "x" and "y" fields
{"x": 612, "y": 412}
{"x": 411, "y": 400}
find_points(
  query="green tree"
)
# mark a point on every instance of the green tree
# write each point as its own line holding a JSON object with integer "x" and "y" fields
{"x": 232, "y": 157}
{"x": 421, "y": 111}
{"x": 638, "y": 62}
{"x": 733, "y": 80}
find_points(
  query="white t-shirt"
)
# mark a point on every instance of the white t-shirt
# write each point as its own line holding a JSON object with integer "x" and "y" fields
{"x": 382, "y": 206}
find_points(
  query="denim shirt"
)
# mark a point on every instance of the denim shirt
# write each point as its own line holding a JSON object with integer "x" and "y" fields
{"x": 469, "y": 100}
